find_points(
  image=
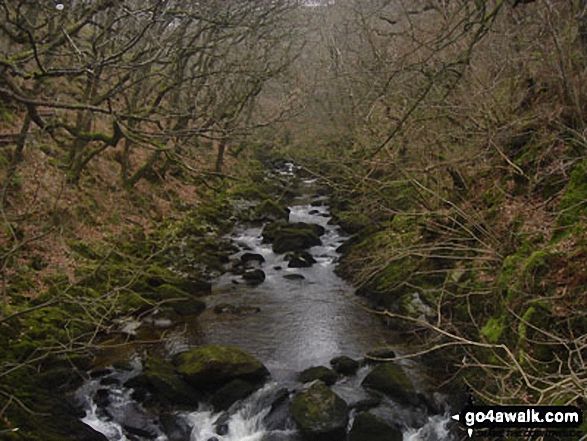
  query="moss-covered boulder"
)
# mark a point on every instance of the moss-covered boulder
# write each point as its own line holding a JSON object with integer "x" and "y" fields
{"x": 157, "y": 276}
{"x": 166, "y": 385}
{"x": 390, "y": 379}
{"x": 368, "y": 427}
{"x": 344, "y": 365}
{"x": 212, "y": 366}
{"x": 322, "y": 373}
{"x": 269, "y": 210}
{"x": 292, "y": 236}
{"x": 320, "y": 413}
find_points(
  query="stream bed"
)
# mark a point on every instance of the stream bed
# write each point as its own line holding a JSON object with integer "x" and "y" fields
{"x": 295, "y": 319}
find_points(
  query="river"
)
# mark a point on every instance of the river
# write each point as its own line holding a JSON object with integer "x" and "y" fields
{"x": 305, "y": 317}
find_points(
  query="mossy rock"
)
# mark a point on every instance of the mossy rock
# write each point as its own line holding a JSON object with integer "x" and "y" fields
{"x": 269, "y": 210}
{"x": 368, "y": 427}
{"x": 156, "y": 276}
{"x": 320, "y": 413}
{"x": 166, "y": 385}
{"x": 322, "y": 373}
{"x": 211, "y": 366}
{"x": 292, "y": 236}
{"x": 390, "y": 379}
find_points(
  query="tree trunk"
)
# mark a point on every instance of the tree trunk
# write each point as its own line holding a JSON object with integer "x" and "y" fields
{"x": 220, "y": 155}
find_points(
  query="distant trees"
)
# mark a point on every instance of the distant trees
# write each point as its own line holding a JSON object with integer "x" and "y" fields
{"x": 149, "y": 78}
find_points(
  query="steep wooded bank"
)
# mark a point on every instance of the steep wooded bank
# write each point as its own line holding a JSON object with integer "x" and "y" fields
{"x": 457, "y": 154}
{"x": 126, "y": 129}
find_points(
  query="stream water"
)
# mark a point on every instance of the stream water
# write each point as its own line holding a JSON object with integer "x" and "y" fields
{"x": 306, "y": 317}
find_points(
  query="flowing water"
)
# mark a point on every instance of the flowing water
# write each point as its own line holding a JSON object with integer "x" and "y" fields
{"x": 306, "y": 317}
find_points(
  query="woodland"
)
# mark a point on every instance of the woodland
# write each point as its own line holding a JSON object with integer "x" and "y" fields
{"x": 451, "y": 134}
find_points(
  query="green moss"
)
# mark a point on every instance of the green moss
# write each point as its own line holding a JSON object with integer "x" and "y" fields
{"x": 493, "y": 329}
{"x": 522, "y": 327}
{"x": 6, "y": 116}
{"x": 270, "y": 211}
{"x": 573, "y": 204}
{"x": 535, "y": 268}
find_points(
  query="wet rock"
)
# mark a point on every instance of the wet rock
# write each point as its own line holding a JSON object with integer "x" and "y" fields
{"x": 232, "y": 392}
{"x": 227, "y": 308}
{"x": 366, "y": 404}
{"x": 317, "y": 203}
{"x": 300, "y": 259}
{"x": 254, "y": 277}
{"x": 138, "y": 422}
{"x": 368, "y": 427}
{"x": 213, "y": 366}
{"x": 390, "y": 379}
{"x": 277, "y": 268}
{"x": 312, "y": 212}
{"x": 382, "y": 355}
{"x": 109, "y": 381}
{"x": 292, "y": 236}
{"x": 270, "y": 211}
{"x": 278, "y": 417}
{"x": 322, "y": 373}
{"x": 320, "y": 413}
{"x": 102, "y": 398}
{"x": 294, "y": 277}
{"x": 166, "y": 385}
{"x": 221, "y": 424}
{"x": 175, "y": 427}
{"x": 249, "y": 258}
{"x": 344, "y": 365}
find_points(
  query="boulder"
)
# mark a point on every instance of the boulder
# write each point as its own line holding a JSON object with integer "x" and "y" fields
{"x": 344, "y": 365}
{"x": 390, "y": 379}
{"x": 366, "y": 404}
{"x": 368, "y": 427}
{"x": 300, "y": 259}
{"x": 322, "y": 373}
{"x": 165, "y": 385}
{"x": 254, "y": 277}
{"x": 232, "y": 392}
{"x": 270, "y": 211}
{"x": 278, "y": 417}
{"x": 249, "y": 258}
{"x": 320, "y": 413}
{"x": 212, "y": 366}
{"x": 175, "y": 427}
{"x": 292, "y": 236}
